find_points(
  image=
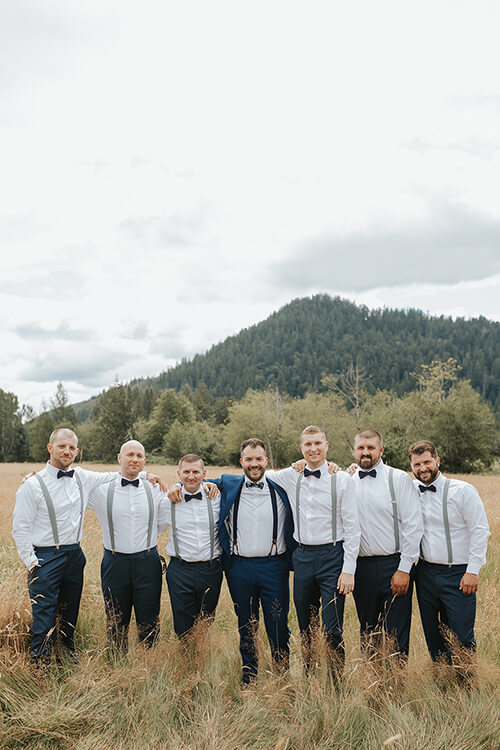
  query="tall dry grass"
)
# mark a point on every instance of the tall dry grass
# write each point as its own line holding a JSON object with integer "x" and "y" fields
{"x": 192, "y": 700}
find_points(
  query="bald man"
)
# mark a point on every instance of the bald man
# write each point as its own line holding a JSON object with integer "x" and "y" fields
{"x": 132, "y": 513}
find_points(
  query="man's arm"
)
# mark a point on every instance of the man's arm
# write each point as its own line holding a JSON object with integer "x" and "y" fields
{"x": 350, "y": 522}
{"x": 411, "y": 529}
{"x": 25, "y": 511}
{"x": 475, "y": 517}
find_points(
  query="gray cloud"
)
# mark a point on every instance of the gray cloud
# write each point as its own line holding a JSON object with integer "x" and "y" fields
{"x": 35, "y": 332}
{"x": 52, "y": 282}
{"x": 85, "y": 366}
{"x": 160, "y": 231}
{"x": 473, "y": 146}
{"x": 456, "y": 244}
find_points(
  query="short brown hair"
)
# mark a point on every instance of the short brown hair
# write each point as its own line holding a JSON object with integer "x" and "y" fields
{"x": 421, "y": 447}
{"x": 252, "y": 443}
{"x": 191, "y": 458}
{"x": 311, "y": 430}
{"x": 55, "y": 434}
{"x": 369, "y": 432}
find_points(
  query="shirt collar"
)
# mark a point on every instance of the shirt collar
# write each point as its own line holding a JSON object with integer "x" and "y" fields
{"x": 53, "y": 470}
{"x": 322, "y": 468}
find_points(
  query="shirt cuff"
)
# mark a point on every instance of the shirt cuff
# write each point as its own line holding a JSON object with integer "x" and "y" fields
{"x": 473, "y": 567}
{"x": 349, "y": 566}
{"x": 405, "y": 564}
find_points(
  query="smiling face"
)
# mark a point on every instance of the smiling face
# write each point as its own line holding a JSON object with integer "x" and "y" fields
{"x": 425, "y": 466}
{"x": 131, "y": 459}
{"x": 314, "y": 447}
{"x": 254, "y": 461}
{"x": 191, "y": 474}
{"x": 63, "y": 449}
{"x": 367, "y": 451}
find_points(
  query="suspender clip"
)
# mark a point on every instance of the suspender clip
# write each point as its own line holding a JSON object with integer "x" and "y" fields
{"x": 57, "y": 546}
{"x": 275, "y": 545}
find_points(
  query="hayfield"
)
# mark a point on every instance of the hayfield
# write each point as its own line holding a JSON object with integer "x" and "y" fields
{"x": 175, "y": 700}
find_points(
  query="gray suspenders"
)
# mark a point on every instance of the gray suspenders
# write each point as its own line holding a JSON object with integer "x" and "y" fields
{"x": 109, "y": 508}
{"x": 333, "y": 490}
{"x": 394, "y": 509}
{"x": 446, "y": 521}
{"x": 211, "y": 525}
{"x": 52, "y": 512}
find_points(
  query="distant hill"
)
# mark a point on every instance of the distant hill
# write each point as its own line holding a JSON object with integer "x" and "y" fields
{"x": 294, "y": 346}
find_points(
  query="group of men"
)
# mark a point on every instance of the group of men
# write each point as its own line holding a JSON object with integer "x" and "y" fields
{"x": 361, "y": 532}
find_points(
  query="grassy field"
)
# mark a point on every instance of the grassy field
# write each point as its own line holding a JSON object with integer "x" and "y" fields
{"x": 180, "y": 701}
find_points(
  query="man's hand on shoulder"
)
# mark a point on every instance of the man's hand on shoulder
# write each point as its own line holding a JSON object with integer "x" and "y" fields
{"x": 469, "y": 583}
{"x": 212, "y": 490}
{"x": 352, "y": 468}
{"x": 299, "y": 465}
{"x": 175, "y": 493}
{"x": 28, "y": 476}
{"x": 156, "y": 480}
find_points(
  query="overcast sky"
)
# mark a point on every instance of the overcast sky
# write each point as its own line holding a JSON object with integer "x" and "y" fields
{"x": 173, "y": 171}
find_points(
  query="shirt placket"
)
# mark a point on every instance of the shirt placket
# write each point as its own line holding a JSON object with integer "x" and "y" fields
{"x": 197, "y": 511}
{"x": 132, "y": 503}
{"x": 74, "y": 504}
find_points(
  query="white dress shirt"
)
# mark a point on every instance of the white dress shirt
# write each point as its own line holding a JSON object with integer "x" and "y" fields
{"x": 315, "y": 509}
{"x": 130, "y": 515}
{"x": 193, "y": 527}
{"x": 31, "y": 522}
{"x": 469, "y": 530}
{"x": 255, "y": 522}
{"x": 376, "y": 515}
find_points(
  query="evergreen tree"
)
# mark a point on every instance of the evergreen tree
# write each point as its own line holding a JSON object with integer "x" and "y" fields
{"x": 13, "y": 443}
{"x": 114, "y": 424}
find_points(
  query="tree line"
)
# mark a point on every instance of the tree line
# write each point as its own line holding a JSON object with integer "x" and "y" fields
{"x": 441, "y": 407}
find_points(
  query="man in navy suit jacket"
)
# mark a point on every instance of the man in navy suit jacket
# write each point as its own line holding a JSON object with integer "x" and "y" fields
{"x": 256, "y": 534}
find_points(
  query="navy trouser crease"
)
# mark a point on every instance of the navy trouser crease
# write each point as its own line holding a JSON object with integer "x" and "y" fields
{"x": 443, "y": 606}
{"x": 194, "y": 589}
{"x": 55, "y": 589}
{"x": 379, "y": 611}
{"x": 316, "y": 572}
{"x": 255, "y": 582}
{"x": 132, "y": 581}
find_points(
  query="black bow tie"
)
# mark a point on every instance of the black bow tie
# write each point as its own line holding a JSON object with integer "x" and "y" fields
{"x": 62, "y": 473}
{"x": 425, "y": 488}
{"x": 196, "y": 496}
{"x": 135, "y": 482}
{"x": 363, "y": 474}
{"x": 259, "y": 485}
{"x": 309, "y": 473}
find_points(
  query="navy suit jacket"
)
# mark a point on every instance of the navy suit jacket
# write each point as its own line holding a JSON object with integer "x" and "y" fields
{"x": 230, "y": 486}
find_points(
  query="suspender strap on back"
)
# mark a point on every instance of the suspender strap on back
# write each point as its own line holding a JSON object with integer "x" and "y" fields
{"x": 446, "y": 521}
{"x": 50, "y": 509}
{"x": 394, "y": 509}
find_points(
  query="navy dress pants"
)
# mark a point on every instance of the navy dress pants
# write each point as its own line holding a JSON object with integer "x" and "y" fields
{"x": 443, "y": 606}
{"x": 381, "y": 613}
{"x": 194, "y": 589}
{"x": 317, "y": 568}
{"x": 260, "y": 580}
{"x": 55, "y": 589}
{"x": 132, "y": 581}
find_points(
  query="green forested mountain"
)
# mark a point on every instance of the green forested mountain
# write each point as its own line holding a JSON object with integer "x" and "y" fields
{"x": 296, "y": 345}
